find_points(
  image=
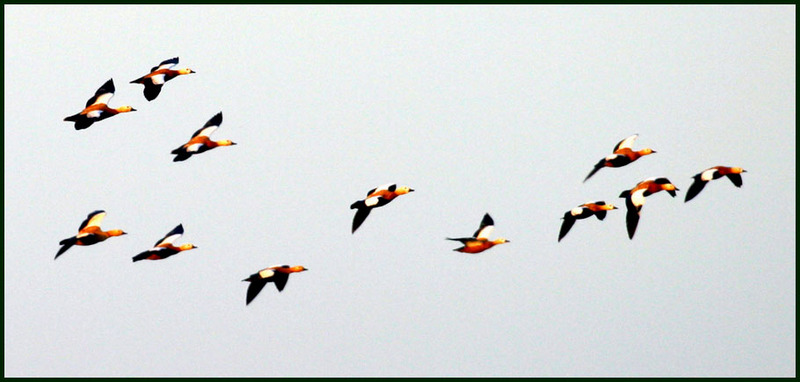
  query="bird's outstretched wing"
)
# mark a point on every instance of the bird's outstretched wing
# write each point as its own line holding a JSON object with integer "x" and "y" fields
{"x": 569, "y": 221}
{"x": 695, "y": 188}
{"x": 597, "y": 167}
{"x": 736, "y": 179}
{"x": 166, "y": 64}
{"x": 486, "y": 228}
{"x": 210, "y": 126}
{"x": 103, "y": 94}
{"x": 93, "y": 220}
{"x": 171, "y": 236}
{"x": 626, "y": 143}
{"x": 254, "y": 288}
{"x": 361, "y": 215}
{"x": 280, "y": 279}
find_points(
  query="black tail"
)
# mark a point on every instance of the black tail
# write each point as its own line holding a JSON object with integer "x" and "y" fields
{"x": 65, "y": 245}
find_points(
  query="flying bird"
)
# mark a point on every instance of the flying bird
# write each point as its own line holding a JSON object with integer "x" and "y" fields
{"x": 97, "y": 108}
{"x": 200, "y": 141}
{"x": 376, "y": 197}
{"x": 479, "y": 241}
{"x": 635, "y": 197}
{"x": 716, "y": 172}
{"x": 278, "y": 274}
{"x": 622, "y": 155}
{"x": 89, "y": 233}
{"x": 164, "y": 248}
{"x": 158, "y": 76}
{"x": 583, "y": 211}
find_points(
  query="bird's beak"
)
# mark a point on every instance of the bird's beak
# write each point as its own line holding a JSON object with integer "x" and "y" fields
{"x": 410, "y": 190}
{"x": 132, "y": 109}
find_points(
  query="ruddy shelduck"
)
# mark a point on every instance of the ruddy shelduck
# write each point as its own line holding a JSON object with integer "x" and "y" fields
{"x": 97, "y": 108}
{"x": 159, "y": 75}
{"x": 278, "y": 274}
{"x": 622, "y": 155}
{"x": 376, "y": 197}
{"x": 479, "y": 241}
{"x": 200, "y": 141}
{"x": 583, "y": 211}
{"x": 164, "y": 248}
{"x": 635, "y": 197}
{"x": 716, "y": 172}
{"x": 89, "y": 233}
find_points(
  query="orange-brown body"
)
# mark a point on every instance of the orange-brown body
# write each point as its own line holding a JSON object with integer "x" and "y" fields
{"x": 164, "y": 247}
{"x": 478, "y": 246}
{"x": 158, "y": 76}
{"x": 709, "y": 174}
{"x": 622, "y": 155}
{"x": 96, "y": 108}
{"x": 376, "y": 197}
{"x": 583, "y": 211}
{"x": 278, "y": 274}
{"x": 89, "y": 233}
{"x": 479, "y": 241}
{"x": 635, "y": 198}
{"x": 200, "y": 141}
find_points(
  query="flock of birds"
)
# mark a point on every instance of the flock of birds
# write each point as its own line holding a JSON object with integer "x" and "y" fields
{"x": 97, "y": 109}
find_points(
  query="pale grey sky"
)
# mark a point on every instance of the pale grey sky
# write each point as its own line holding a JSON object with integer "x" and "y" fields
{"x": 498, "y": 109}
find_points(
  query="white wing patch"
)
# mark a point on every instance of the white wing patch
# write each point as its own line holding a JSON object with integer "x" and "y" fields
{"x": 627, "y": 142}
{"x": 103, "y": 98}
{"x": 372, "y": 201}
{"x": 169, "y": 239}
{"x": 165, "y": 66}
{"x": 637, "y": 198}
{"x": 94, "y": 114}
{"x": 576, "y": 211}
{"x": 708, "y": 174}
{"x": 194, "y": 147}
{"x": 95, "y": 220}
{"x": 208, "y": 131}
{"x": 158, "y": 79}
{"x": 266, "y": 273}
{"x": 485, "y": 232}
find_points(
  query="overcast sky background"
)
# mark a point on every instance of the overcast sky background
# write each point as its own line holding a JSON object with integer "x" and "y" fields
{"x": 501, "y": 109}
